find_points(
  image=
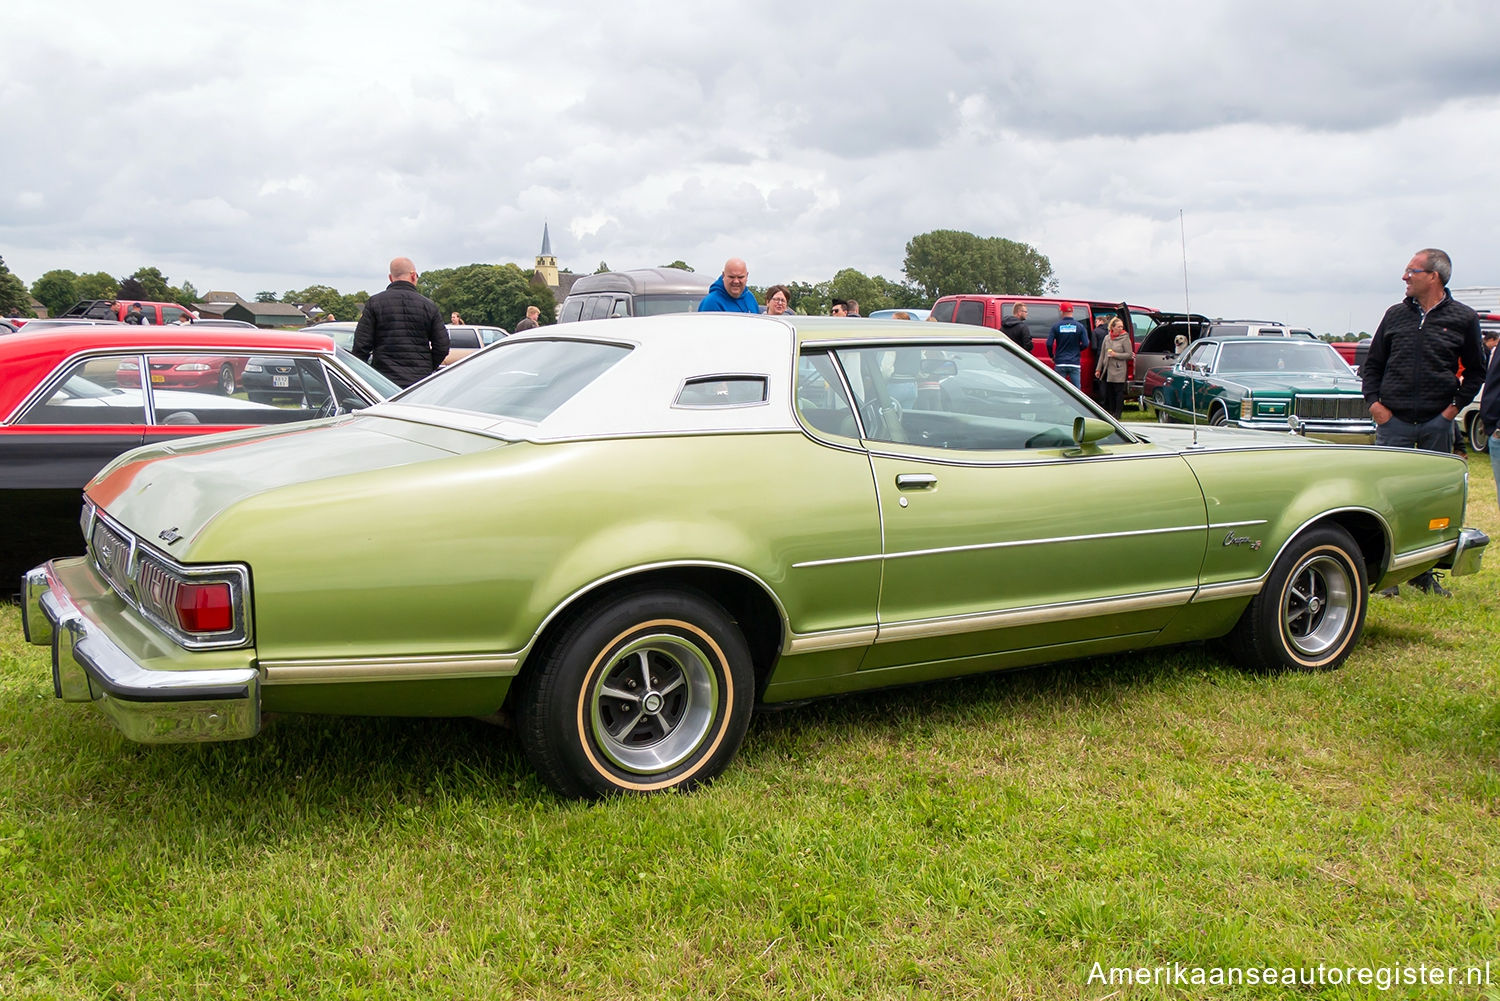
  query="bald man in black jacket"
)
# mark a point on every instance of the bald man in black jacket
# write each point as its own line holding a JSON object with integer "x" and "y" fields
{"x": 401, "y": 331}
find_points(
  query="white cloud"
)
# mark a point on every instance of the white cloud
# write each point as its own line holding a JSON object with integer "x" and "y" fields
{"x": 282, "y": 144}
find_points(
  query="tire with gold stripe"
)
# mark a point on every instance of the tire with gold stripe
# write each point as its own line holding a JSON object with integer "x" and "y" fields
{"x": 641, "y": 693}
{"x": 1311, "y": 611}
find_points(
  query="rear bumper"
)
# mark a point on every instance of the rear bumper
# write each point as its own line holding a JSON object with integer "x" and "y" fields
{"x": 144, "y": 702}
{"x": 1466, "y": 554}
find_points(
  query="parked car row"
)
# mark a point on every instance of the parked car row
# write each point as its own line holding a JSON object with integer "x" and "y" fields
{"x": 72, "y": 399}
{"x": 673, "y": 519}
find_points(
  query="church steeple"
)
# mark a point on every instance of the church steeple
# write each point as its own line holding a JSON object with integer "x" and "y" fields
{"x": 546, "y": 264}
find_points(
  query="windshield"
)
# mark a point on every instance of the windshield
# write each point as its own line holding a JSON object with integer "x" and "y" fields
{"x": 1281, "y": 356}
{"x": 655, "y": 305}
{"x": 520, "y": 380}
{"x": 385, "y": 387}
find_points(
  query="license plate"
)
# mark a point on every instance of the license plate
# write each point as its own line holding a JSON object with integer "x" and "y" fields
{"x": 281, "y": 381}
{"x": 157, "y": 379}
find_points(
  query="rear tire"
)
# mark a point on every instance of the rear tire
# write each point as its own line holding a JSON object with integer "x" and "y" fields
{"x": 1312, "y": 609}
{"x": 1162, "y": 417}
{"x": 226, "y": 379}
{"x": 1478, "y": 440}
{"x": 639, "y": 693}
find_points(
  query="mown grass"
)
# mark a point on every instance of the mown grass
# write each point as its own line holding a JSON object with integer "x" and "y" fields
{"x": 990, "y": 837}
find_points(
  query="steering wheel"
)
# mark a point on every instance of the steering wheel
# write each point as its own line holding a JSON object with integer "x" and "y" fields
{"x": 330, "y": 408}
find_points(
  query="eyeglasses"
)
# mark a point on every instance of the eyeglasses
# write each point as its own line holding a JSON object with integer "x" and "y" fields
{"x": 1415, "y": 271}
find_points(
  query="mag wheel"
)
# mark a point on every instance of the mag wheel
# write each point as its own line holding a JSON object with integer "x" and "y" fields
{"x": 226, "y": 379}
{"x": 1312, "y": 609}
{"x": 641, "y": 693}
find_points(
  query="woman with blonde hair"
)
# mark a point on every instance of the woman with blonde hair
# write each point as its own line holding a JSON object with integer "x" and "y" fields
{"x": 1112, "y": 370}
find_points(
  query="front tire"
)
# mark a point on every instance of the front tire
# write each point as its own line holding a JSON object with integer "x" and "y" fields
{"x": 1218, "y": 418}
{"x": 226, "y": 379}
{"x": 1157, "y": 402}
{"x": 638, "y": 694}
{"x": 1312, "y": 609}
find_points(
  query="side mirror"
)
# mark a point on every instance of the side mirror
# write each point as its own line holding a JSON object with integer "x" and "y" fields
{"x": 1087, "y": 433}
{"x": 1295, "y": 426}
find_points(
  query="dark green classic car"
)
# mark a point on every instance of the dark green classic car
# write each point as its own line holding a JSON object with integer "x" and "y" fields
{"x": 1261, "y": 383}
{"x": 674, "y": 519}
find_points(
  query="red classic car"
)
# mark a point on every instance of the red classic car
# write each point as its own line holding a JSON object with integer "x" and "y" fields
{"x": 71, "y": 399}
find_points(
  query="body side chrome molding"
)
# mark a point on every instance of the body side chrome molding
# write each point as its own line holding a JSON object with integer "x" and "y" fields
{"x": 344, "y": 670}
{"x": 1029, "y": 615}
{"x": 1014, "y": 543}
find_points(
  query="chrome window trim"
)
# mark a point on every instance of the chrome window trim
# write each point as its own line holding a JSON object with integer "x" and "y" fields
{"x": 763, "y": 378}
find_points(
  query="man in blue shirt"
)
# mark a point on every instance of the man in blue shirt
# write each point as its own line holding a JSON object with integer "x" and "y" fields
{"x": 1065, "y": 343}
{"x": 728, "y": 293}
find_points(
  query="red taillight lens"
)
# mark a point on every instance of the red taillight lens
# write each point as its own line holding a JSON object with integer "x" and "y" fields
{"x": 204, "y": 608}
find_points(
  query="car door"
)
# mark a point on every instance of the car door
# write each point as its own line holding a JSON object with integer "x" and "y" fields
{"x": 81, "y": 418}
{"x": 1001, "y": 535}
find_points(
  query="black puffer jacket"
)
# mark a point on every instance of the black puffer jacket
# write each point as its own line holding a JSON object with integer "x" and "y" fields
{"x": 401, "y": 334}
{"x": 1413, "y": 363}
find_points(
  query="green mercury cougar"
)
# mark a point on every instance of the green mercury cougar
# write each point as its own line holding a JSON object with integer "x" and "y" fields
{"x": 669, "y": 520}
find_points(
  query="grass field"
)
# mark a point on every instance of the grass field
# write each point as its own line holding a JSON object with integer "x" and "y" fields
{"x": 986, "y": 838}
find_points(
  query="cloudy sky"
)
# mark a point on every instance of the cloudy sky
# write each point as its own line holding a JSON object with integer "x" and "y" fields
{"x": 1308, "y": 147}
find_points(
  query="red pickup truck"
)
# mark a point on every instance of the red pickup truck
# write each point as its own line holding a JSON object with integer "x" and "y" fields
{"x": 116, "y": 309}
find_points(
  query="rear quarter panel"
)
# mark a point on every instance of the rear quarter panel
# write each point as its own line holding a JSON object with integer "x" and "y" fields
{"x": 472, "y": 553}
{"x": 1280, "y": 490}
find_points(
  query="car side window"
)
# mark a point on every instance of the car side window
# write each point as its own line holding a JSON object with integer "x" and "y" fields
{"x": 463, "y": 338}
{"x": 96, "y": 391}
{"x": 943, "y": 311}
{"x": 970, "y": 311}
{"x": 821, "y": 400}
{"x": 969, "y": 397}
{"x": 235, "y": 389}
{"x": 572, "y": 310}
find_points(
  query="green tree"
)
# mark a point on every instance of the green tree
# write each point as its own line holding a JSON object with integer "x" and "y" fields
{"x": 185, "y": 295}
{"x": 153, "y": 284}
{"x": 130, "y": 288}
{"x": 678, "y": 265}
{"x": 265, "y": 297}
{"x": 326, "y": 298}
{"x": 492, "y": 293}
{"x": 603, "y": 267}
{"x": 14, "y": 300}
{"x": 99, "y": 285}
{"x": 57, "y": 290}
{"x": 947, "y": 262}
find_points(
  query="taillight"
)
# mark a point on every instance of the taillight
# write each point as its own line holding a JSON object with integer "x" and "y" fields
{"x": 204, "y": 608}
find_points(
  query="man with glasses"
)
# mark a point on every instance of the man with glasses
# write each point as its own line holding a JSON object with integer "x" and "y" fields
{"x": 1411, "y": 379}
{"x": 728, "y": 293}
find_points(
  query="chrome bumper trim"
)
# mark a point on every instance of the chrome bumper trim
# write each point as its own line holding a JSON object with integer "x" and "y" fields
{"x": 1467, "y": 552}
{"x": 154, "y": 707}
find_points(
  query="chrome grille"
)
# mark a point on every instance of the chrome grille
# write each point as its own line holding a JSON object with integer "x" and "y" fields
{"x": 158, "y": 590}
{"x": 111, "y": 552}
{"x": 1344, "y": 407}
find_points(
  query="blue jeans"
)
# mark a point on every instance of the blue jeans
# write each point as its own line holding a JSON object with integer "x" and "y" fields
{"x": 1495, "y": 460}
{"x": 1073, "y": 373}
{"x": 1433, "y": 435}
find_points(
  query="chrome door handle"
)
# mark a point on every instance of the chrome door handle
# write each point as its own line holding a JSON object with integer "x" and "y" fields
{"x": 915, "y": 481}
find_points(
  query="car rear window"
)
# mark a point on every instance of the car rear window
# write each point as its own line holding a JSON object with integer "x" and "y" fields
{"x": 519, "y": 380}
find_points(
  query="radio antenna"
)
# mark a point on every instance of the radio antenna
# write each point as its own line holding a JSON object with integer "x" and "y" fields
{"x": 1187, "y": 324}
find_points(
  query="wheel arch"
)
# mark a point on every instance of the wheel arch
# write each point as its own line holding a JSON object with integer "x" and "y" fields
{"x": 1368, "y": 530}
{"x": 747, "y": 599}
